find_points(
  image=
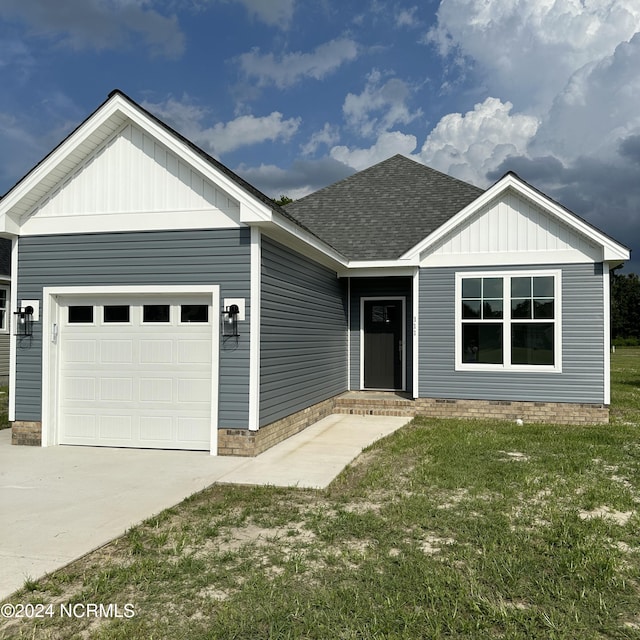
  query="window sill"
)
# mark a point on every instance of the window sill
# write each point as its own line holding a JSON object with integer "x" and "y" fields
{"x": 492, "y": 368}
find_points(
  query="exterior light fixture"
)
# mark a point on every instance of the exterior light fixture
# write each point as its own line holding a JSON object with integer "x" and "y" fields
{"x": 23, "y": 321}
{"x": 230, "y": 321}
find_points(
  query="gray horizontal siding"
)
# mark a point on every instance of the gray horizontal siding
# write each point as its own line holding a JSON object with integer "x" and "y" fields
{"x": 302, "y": 333}
{"x": 582, "y": 377}
{"x": 376, "y": 287}
{"x": 219, "y": 257}
{"x": 4, "y": 355}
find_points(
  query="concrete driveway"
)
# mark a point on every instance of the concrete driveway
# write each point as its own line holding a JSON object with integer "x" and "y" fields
{"x": 59, "y": 503}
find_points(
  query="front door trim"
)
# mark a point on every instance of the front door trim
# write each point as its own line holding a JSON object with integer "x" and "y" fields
{"x": 402, "y": 299}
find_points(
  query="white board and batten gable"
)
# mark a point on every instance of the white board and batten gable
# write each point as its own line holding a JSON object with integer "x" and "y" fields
{"x": 122, "y": 171}
{"x": 513, "y": 224}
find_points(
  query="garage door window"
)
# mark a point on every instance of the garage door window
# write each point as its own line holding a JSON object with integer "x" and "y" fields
{"x": 156, "y": 313}
{"x": 80, "y": 314}
{"x": 116, "y": 314}
{"x": 194, "y": 313}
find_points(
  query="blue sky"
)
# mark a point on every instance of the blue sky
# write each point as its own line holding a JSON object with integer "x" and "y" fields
{"x": 295, "y": 95}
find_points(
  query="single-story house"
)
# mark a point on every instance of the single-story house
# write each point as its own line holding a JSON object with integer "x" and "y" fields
{"x": 161, "y": 301}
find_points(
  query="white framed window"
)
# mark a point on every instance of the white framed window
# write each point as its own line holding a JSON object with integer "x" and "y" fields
{"x": 508, "y": 321}
{"x": 4, "y": 309}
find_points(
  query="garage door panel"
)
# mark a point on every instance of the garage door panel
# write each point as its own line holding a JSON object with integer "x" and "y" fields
{"x": 81, "y": 425}
{"x": 135, "y": 384}
{"x": 156, "y": 351}
{"x": 194, "y": 352}
{"x": 116, "y": 427}
{"x": 80, "y": 351}
{"x": 116, "y": 352}
{"x": 157, "y": 390}
{"x": 116, "y": 389}
{"x": 156, "y": 428}
{"x": 80, "y": 389}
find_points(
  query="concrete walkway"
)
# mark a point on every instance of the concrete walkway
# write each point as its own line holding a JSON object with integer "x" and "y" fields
{"x": 59, "y": 503}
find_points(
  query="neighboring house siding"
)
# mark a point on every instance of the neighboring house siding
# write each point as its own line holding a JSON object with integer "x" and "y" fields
{"x": 376, "y": 288}
{"x": 147, "y": 258}
{"x": 582, "y": 377}
{"x": 303, "y": 332}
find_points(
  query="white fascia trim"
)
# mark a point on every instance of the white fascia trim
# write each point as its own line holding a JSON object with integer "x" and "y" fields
{"x": 377, "y": 268}
{"x": 612, "y": 250}
{"x": 607, "y": 333}
{"x": 13, "y": 339}
{"x": 49, "y": 352}
{"x": 298, "y": 232}
{"x": 254, "y": 329}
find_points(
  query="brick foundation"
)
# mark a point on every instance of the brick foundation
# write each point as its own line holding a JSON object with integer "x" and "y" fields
{"x": 242, "y": 442}
{"x": 543, "y": 412}
{"x": 26, "y": 433}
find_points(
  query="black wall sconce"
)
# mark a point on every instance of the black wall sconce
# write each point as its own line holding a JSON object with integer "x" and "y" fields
{"x": 230, "y": 321}
{"x": 23, "y": 325}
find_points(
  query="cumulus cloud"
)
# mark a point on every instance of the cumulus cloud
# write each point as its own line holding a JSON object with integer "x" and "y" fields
{"x": 597, "y": 108}
{"x": 388, "y": 144}
{"x": 470, "y": 145}
{"x": 288, "y": 69}
{"x": 528, "y": 50}
{"x": 328, "y": 136}
{"x": 224, "y": 137}
{"x": 380, "y": 106}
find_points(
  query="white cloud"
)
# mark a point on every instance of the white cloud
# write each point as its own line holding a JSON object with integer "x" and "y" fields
{"x": 290, "y": 68}
{"x": 99, "y": 24}
{"x": 597, "y": 108}
{"x": 407, "y": 17}
{"x": 277, "y": 13}
{"x": 380, "y": 106}
{"x": 470, "y": 145}
{"x": 528, "y": 49}
{"x": 224, "y": 137}
{"x": 328, "y": 136}
{"x": 387, "y": 145}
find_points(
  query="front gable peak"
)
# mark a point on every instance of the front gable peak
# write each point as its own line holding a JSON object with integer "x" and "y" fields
{"x": 513, "y": 223}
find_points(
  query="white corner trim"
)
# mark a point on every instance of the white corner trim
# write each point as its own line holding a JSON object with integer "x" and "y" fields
{"x": 12, "y": 339}
{"x": 606, "y": 291}
{"x": 348, "y": 334}
{"x": 416, "y": 332}
{"x": 254, "y": 330}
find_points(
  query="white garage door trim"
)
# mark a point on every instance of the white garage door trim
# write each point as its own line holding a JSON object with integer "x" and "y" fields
{"x": 50, "y": 345}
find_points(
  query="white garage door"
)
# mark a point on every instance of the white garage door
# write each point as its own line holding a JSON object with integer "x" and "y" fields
{"x": 136, "y": 371}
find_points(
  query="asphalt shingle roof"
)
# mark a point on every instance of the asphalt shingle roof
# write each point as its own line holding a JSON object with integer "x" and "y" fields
{"x": 383, "y": 211}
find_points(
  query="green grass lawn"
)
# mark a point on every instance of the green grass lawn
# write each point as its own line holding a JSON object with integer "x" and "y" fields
{"x": 446, "y": 529}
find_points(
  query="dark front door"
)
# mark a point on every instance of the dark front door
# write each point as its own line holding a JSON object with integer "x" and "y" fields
{"x": 383, "y": 348}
